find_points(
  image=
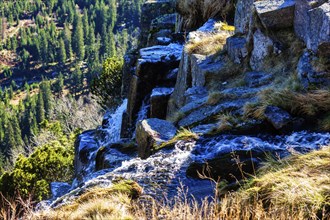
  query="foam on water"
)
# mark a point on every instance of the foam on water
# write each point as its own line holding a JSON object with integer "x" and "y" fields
{"x": 113, "y": 125}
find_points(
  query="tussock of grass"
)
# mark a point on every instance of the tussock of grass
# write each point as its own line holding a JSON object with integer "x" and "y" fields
{"x": 307, "y": 105}
{"x": 227, "y": 122}
{"x": 98, "y": 203}
{"x": 226, "y": 27}
{"x": 111, "y": 207}
{"x": 216, "y": 96}
{"x": 196, "y": 12}
{"x": 183, "y": 135}
{"x": 208, "y": 45}
{"x": 254, "y": 110}
{"x": 302, "y": 104}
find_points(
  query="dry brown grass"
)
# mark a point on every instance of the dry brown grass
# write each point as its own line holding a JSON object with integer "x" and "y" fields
{"x": 208, "y": 45}
{"x": 313, "y": 104}
{"x": 97, "y": 203}
{"x": 215, "y": 97}
{"x": 111, "y": 207}
{"x": 308, "y": 104}
{"x": 196, "y": 12}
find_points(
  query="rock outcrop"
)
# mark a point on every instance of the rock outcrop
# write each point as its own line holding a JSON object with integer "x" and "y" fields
{"x": 310, "y": 74}
{"x": 152, "y": 132}
{"x": 158, "y": 102}
{"x": 312, "y": 24}
{"x": 276, "y": 14}
{"x": 153, "y": 66}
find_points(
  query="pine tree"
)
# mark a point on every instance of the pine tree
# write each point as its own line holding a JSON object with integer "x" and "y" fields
{"x": 62, "y": 52}
{"x": 40, "y": 109}
{"x": 59, "y": 84}
{"x": 78, "y": 37}
{"x": 46, "y": 92}
{"x": 9, "y": 137}
{"x": 67, "y": 41}
{"x": 85, "y": 25}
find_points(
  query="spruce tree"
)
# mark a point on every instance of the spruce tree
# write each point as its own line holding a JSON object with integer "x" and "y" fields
{"x": 78, "y": 37}
{"x": 67, "y": 40}
{"x": 62, "y": 52}
{"x": 40, "y": 109}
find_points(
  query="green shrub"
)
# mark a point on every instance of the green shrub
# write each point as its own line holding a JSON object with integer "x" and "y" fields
{"x": 32, "y": 175}
{"x": 107, "y": 86}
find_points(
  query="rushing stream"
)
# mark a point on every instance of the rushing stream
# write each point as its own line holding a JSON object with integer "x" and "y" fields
{"x": 162, "y": 173}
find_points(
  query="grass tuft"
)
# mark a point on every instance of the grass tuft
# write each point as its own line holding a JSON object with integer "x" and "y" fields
{"x": 308, "y": 104}
{"x": 215, "y": 97}
{"x": 208, "y": 45}
{"x": 183, "y": 135}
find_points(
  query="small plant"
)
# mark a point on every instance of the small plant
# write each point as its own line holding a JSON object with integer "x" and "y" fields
{"x": 254, "y": 110}
{"x": 227, "y": 122}
{"x": 216, "y": 96}
{"x": 308, "y": 104}
{"x": 183, "y": 135}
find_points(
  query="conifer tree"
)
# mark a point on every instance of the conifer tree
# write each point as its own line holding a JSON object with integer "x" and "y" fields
{"x": 78, "y": 37}
{"x": 40, "y": 109}
{"x": 62, "y": 52}
{"x": 67, "y": 40}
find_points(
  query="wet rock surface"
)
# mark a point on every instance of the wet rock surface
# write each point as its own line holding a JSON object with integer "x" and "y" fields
{"x": 158, "y": 102}
{"x": 207, "y": 112}
{"x": 152, "y": 69}
{"x": 59, "y": 189}
{"x": 150, "y": 10}
{"x": 243, "y": 14}
{"x": 202, "y": 67}
{"x": 84, "y": 146}
{"x": 277, "y": 117}
{"x": 152, "y": 132}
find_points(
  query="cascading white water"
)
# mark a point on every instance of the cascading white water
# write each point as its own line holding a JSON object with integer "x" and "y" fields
{"x": 113, "y": 125}
{"x": 142, "y": 114}
{"x": 164, "y": 171}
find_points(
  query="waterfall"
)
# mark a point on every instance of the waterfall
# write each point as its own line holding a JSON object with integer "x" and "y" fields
{"x": 113, "y": 124}
{"x": 143, "y": 113}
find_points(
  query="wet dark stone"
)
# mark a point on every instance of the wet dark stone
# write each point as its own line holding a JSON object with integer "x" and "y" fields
{"x": 231, "y": 167}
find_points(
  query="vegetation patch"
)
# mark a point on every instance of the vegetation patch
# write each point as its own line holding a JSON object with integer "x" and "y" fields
{"x": 98, "y": 203}
{"x": 182, "y": 135}
{"x": 308, "y": 104}
{"x": 208, "y": 45}
{"x": 216, "y": 96}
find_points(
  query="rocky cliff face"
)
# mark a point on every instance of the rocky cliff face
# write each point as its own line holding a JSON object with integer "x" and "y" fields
{"x": 246, "y": 89}
{"x": 214, "y": 87}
